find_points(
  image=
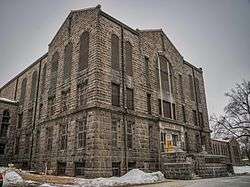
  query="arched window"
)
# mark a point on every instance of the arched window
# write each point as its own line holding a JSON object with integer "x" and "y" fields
{"x": 128, "y": 55}
{"x": 191, "y": 86}
{"x": 23, "y": 90}
{"x": 115, "y": 52}
{"x": 5, "y": 123}
{"x": 197, "y": 87}
{"x": 67, "y": 60}
{"x": 33, "y": 86}
{"x": 171, "y": 75}
{"x": 54, "y": 69}
{"x": 84, "y": 50}
{"x": 164, "y": 74}
{"x": 43, "y": 78}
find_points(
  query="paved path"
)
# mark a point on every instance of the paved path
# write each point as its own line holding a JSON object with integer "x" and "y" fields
{"x": 236, "y": 181}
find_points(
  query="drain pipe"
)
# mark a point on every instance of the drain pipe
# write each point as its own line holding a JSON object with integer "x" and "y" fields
{"x": 124, "y": 113}
{"x": 161, "y": 95}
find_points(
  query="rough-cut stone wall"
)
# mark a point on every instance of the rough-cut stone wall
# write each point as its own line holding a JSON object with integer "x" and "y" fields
{"x": 9, "y": 140}
{"x": 99, "y": 155}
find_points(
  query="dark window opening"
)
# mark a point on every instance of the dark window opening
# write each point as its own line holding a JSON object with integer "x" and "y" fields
{"x": 195, "y": 122}
{"x": 63, "y": 136}
{"x": 130, "y": 98}
{"x": 79, "y": 168}
{"x": 128, "y": 55}
{"x": 149, "y": 103}
{"x": 174, "y": 139}
{"x": 130, "y": 125}
{"x": 81, "y": 133}
{"x": 115, "y": 52}
{"x": 115, "y": 94}
{"x": 84, "y": 51}
{"x": 2, "y": 149}
{"x": 116, "y": 169}
{"x": 61, "y": 168}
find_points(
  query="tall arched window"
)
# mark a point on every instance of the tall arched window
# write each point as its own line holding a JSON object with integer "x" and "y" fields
{"x": 84, "y": 50}
{"x": 54, "y": 69}
{"x": 33, "y": 86}
{"x": 5, "y": 123}
{"x": 23, "y": 90}
{"x": 43, "y": 78}
{"x": 128, "y": 55}
{"x": 115, "y": 52}
{"x": 197, "y": 87}
{"x": 67, "y": 60}
{"x": 171, "y": 75}
{"x": 164, "y": 74}
{"x": 191, "y": 86}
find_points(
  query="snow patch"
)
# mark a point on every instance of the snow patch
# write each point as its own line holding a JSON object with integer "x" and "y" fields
{"x": 12, "y": 177}
{"x": 241, "y": 169}
{"x": 134, "y": 176}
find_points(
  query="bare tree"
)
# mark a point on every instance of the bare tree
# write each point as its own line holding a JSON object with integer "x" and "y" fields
{"x": 236, "y": 119}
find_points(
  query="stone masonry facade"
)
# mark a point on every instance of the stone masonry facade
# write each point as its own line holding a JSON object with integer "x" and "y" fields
{"x": 105, "y": 99}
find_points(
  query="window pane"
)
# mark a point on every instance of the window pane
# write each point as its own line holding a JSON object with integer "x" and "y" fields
{"x": 84, "y": 50}
{"x": 115, "y": 52}
{"x": 115, "y": 94}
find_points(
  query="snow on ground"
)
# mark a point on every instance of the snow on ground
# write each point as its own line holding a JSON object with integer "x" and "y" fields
{"x": 134, "y": 176}
{"x": 10, "y": 176}
{"x": 241, "y": 169}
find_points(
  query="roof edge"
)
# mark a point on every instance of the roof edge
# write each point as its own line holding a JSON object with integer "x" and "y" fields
{"x": 192, "y": 66}
{"x": 25, "y": 70}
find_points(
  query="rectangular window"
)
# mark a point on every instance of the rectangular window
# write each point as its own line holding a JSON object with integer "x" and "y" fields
{"x": 30, "y": 116}
{"x": 130, "y": 124}
{"x": 2, "y": 149}
{"x": 147, "y": 68}
{"x": 173, "y": 109}
{"x": 37, "y": 149}
{"x": 20, "y": 120}
{"x": 165, "y": 81}
{"x": 27, "y": 143}
{"x": 115, "y": 94}
{"x": 184, "y": 114}
{"x": 51, "y": 106}
{"x": 114, "y": 132}
{"x": 150, "y": 137}
{"x": 79, "y": 168}
{"x": 163, "y": 141}
{"x": 116, "y": 169}
{"x": 191, "y": 87}
{"x": 81, "y": 94}
{"x": 197, "y": 87}
{"x": 65, "y": 100}
{"x": 167, "y": 109}
{"x": 149, "y": 103}
{"x": 194, "y": 117}
{"x": 181, "y": 87}
{"x": 131, "y": 165}
{"x": 17, "y": 145}
{"x": 159, "y": 105}
{"x": 49, "y": 133}
{"x": 61, "y": 168}
{"x": 81, "y": 133}
{"x": 130, "y": 98}
{"x": 201, "y": 122}
{"x": 64, "y": 136}
{"x": 174, "y": 139}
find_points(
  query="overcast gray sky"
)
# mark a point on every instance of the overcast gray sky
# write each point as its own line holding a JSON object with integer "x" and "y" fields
{"x": 212, "y": 34}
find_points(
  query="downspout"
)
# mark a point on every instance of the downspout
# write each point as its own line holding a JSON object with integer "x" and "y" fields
{"x": 34, "y": 115}
{"x": 123, "y": 103}
{"x": 162, "y": 112}
{"x": 197, "y": 105}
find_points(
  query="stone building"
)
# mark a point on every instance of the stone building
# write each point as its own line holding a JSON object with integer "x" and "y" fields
{"x": 105, "y": 99}
{"x": 228, "y": 147}
{"x": 8, "y": 117}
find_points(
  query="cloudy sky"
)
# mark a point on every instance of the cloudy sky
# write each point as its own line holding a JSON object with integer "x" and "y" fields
{"x": 212, "y": 34}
